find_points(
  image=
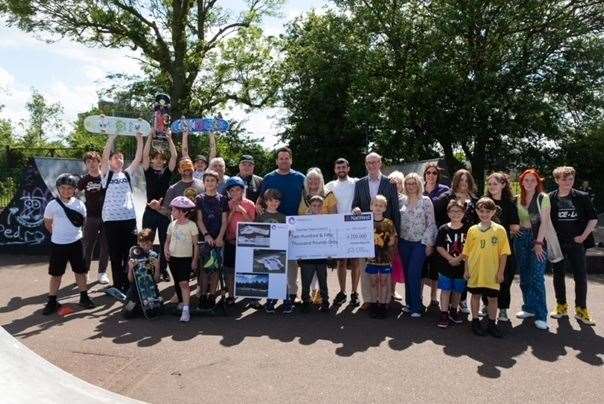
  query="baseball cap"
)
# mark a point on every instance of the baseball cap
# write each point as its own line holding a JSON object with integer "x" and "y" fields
{"x": 200, "y": 157}
{"x": 246, "y": 158}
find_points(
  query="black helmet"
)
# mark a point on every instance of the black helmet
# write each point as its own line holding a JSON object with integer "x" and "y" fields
{"x": 67, "y": 179}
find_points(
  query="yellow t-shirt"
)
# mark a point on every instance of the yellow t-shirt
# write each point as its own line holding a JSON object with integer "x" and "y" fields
{"x": 181, "y": 238}
{"x": 330, "y": 204}
{"x": 483, "y": 250}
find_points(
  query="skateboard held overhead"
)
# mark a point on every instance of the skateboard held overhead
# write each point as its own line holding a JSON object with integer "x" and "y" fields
{"x": 115, "y": 125}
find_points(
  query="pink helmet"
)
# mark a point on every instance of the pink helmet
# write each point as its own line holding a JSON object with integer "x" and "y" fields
{"x": 182, "y": 202}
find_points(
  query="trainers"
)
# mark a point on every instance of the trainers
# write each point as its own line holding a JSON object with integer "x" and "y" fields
{"x": 270, "y": 306}
{"x": 464, "y": 307}
{"x": 354, "y": 299}
{"x": 340, "y": 299}
{"x": 560, "y": 311}
{"x": 185, "y": 316}
{"x": 542, "y": 325}
{"x": 443, "y": 321}
{"x": 406, "y": 309}
{"x": 477, "y": 327}
{"x": 494, "y": 330}
{"x": 484, "y": 312}
{"x": 416, "y": 315}
{"x": 50, "y": 308}
{"x": 288, "y": 306}
{"x": 524, "y": 314}
{"x": 582, "y": 315}
{"x": 86, "y": 303}
{"x": 103, "y": 278}
{"x": 324, "y": 307}
{"x": 503, "y": 315}
{"x": 455, "y": 316}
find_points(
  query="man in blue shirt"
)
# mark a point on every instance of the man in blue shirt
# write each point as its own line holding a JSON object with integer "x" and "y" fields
{"x": 290, "y": 184}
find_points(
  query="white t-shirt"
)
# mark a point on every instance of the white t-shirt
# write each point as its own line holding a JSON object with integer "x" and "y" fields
{"x": 344, "y": 192}
{"x": 119, "y": 204}
{"x": 181, "y": 238}
{"x": 63, "y": 232}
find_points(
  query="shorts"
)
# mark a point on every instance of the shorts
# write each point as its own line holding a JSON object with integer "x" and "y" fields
{"x": 229, "y": 258}
{"x": 430, "y": 268}
{"x": 181, "y": 268}
{"x": 210, "y": 258}
{"x": 61, "y": 254}
{"x": 486, "y": 292}
{"x": 455, "y": 285}
{"x": 378, "y": 269}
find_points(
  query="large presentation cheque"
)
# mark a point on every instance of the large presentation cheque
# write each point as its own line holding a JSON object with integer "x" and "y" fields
{"x": 331, "y": 236}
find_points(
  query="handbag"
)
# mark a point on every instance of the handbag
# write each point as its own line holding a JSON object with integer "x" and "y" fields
{"x": 75, "y": 217}
{"x": 554, "y": 252}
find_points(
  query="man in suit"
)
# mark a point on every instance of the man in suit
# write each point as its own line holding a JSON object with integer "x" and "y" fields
{"x": 375, "y": 183}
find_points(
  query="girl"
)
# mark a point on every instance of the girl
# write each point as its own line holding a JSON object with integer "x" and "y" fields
{"x": 181, "y": 250}
{"x": 534, "y": 214}
{"x": 485, "y": 254}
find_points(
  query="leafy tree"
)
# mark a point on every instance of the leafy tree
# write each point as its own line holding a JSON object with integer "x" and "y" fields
{"x": 43, "y": 118}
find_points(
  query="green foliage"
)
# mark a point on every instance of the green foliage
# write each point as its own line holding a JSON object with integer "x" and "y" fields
{"x": 43, "y": 118}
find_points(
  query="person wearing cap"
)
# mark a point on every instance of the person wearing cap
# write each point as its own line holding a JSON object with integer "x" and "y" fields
{"x": 253, "y": 182}
{"x": 241, "y": 209}
{"x": 200, "y": 162}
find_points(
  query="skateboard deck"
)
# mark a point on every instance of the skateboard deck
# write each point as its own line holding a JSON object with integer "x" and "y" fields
{"x": 116, "y": 294}
{"x": 151, "y": 302}
{"x": 114, "y": 125}
{"x": 200, "y": 125}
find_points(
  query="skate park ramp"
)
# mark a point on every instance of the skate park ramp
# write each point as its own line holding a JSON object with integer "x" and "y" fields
{"x": 22, "y": 222}
{"x": 29, "y": 378}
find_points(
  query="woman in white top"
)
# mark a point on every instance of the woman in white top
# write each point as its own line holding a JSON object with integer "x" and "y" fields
{"x": 119, "y": 218}
{"x": 418, "y": 232}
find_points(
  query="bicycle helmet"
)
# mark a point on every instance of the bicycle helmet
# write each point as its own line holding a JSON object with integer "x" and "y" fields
{"x": 182, "y": 202}
{"x": 67, "y": 179}
{"x": 234, "y": 182}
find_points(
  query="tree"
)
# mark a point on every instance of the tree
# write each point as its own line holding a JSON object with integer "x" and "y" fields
{"x": 43, "y": 118}
{"x": 201, "y": 53}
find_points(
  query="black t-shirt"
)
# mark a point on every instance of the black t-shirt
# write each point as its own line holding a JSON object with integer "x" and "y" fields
{"x": 508, "y": 215}
{"x": 158, "y": 182}
{"x": 94, "y": 193}
{"x": 569, "y": 225}
{"x": 451, "y": 240}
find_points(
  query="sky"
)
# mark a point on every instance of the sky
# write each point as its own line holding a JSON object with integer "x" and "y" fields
{"x": 71, "y": 73}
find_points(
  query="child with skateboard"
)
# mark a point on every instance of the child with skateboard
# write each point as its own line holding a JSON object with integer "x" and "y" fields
{"x": 181, "y": 250}
{"x": 271, "y": 214}
{"x": 485, "y": 253}
{"x": 308, "y": 268}
{"x": 64, "y": 218}
{"x": 212, "y": 209}
{"x": 379, "y": 268}
{"x": 141, "y": 254}
{"x": 449, "y": 263}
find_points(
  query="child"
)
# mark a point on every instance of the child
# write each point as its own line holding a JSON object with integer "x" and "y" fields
{"x": 241, "y": 209}
{"x": 379, "y": 268}
{"x": 64, "y": 218}
{"x": 449, "y": 244}
{"x": 181, "y": 250}
{"x": 212, "y": 209}
{"x": 309, "y": 268}
{"x": 485, "y": 254}
{"x": 141, "y": 252}
{"x": 272, "y": 200}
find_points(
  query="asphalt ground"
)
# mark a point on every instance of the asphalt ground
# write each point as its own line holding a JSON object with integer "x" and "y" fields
{"x": 342, "y": 356}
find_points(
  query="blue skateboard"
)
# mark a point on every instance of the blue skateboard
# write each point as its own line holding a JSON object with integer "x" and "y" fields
{"x": 200, "y": 125}
{"x": 150, "y": 300}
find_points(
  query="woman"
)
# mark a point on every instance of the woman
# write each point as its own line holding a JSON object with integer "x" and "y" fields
{"x": 499, "y": 190}
{"x": 397, "y": 178}
{"x": 529, "y": 246}
{"x": 433, "y": 189}
{"x": 314, "y": 184}
{"x": 418, "y": 232}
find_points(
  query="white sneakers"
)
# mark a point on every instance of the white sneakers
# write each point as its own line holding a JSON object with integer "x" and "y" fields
{"x": 103, "y": 278}
{"x": 542, "y": 325}
{"x": 524, "y": 314}
{"x": 185, "y": 316}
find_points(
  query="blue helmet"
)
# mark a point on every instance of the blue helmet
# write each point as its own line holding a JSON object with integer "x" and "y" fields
{"x": 234, "y": 182}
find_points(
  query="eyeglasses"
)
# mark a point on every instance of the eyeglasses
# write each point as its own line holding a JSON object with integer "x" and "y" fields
{"x": 431, "y": 172}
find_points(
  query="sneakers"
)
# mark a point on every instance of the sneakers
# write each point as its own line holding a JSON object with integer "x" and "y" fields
{"x": 354, "y": 299}
{"x": 443, "y": 321}
{"x": 288, "y": 306}
{"x": 582, "y": 315}
{"x": 503, "y": 315}
{"x": 484, "y": 312}
{"x": 50, "y": 308}
{"x": 103, "y": 278}
{"x": 185, "y": 316}
{"x": 86, "y": 303}
{"x": 324, "y": 307}
{"x": 477, "y": 327}
{"x": 416, "y": 315}
{"x": 524, "y": 314}
{"x": 560, "y": 311}
{"x": 464, "y": 307}
{"x": 270, "y": 306}
{"x": 455, "y": 316}
{"x": 406, "y": 309}
{"x": 542, "y": 325}
{"x": 340, "y": 299}
{"x": 494, "y": 330}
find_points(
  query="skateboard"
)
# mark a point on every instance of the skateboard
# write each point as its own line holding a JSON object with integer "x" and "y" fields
{"x": 151, "y": 302}
{"x": 115, "y": 125}
{"x": 116, "y": 294}
{"x": 200, "y": 125}
{"x": 161, "y": 117}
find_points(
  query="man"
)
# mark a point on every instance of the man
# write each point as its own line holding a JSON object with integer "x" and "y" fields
{"x": 252, "y": 182}
{"x": 217, "y": 164}
{"x": 200, "y": 162}
{"x": 365, "y": 189}
{"x": 574, "y": 219}
{"x": 290, "y": 184}
{"x": 343, "y": 189}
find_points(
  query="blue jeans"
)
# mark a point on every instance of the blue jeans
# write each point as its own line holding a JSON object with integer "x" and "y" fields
{"x": 413, "y": 254}
{"x": 532, "y": 278}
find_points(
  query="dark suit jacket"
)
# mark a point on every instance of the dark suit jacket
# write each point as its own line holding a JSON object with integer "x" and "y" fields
{"x": 362, "y": 199}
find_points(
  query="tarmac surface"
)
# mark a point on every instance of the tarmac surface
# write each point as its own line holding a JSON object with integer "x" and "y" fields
{"x": 343, "y": 356}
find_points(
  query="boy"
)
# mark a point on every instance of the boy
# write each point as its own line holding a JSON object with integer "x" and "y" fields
{"x": 64, "y": 218}
{"x": 309, "y": 268}
{"x": 143, "y": 252}
{"x": 379, "y": 268}
{"x": 212, "y": 209}
{"x": 574, "y": 220}
{"x": 449, "y": 262}
{"x": 485, "y": 254}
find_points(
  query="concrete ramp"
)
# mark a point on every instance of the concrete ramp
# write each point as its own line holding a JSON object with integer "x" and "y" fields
{"x": 29, "y": 378}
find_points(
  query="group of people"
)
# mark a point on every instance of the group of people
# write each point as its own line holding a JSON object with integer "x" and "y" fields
{"x": 425, "y": 234}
